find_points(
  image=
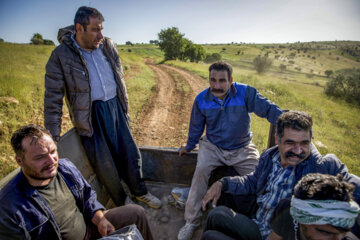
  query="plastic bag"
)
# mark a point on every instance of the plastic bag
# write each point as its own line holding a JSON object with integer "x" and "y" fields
{"x": 126, "y": 233}
{"x": 178, "y": 197}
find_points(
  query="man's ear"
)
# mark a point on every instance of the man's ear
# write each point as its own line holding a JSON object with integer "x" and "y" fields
{"x": 19, "y": 160}
{"x": 79, "y": 28}
{"x": 231, "y": 79}
{"x": 277, "y": 139}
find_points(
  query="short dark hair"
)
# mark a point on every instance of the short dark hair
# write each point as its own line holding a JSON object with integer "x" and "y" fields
{"x": 31, "y": 130}
{"x": 296, "y": 120}
{"x": 83, "y": 15}
{"x": 221, "y": 66}
{"x": 317, "y": 186}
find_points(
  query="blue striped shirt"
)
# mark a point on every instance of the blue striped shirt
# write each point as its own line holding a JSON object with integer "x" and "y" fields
{"x": 280, "y": 184}
{"x": 102, "y": 81}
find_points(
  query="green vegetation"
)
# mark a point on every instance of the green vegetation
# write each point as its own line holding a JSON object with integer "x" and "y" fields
{"x": 176, "y": 47}
{"x": 336, "y": 122}
{"x": 262, "y": 64}
{"x": 345, "y": 85}
{"x": 37, "y": 39}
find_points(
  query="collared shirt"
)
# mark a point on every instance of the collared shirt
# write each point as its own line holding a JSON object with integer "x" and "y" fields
{"x": 102, "y": 82}
{"x": 279, "y": 186}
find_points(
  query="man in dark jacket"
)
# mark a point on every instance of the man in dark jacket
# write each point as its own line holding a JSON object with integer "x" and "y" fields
{"x": 86, "y": 68}
{"x": 49, "y": 198}
{"x": 279, "y": 169}
{"x": 224, "y": 109}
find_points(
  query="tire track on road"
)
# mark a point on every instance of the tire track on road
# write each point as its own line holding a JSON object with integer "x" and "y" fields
{"x": 164, "y": 120}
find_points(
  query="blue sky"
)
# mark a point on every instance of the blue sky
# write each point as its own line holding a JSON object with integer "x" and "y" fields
{"x": 202, "y": 21}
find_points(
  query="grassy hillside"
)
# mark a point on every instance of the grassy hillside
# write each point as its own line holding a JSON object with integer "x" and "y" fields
{"x": 336, "y": 123}
{"x": 300, "y": 87}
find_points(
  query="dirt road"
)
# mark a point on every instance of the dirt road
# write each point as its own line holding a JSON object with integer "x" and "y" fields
{"x": 164, "y": 121}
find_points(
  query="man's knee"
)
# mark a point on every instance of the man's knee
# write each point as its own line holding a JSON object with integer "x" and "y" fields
{"x": 217, "y": 215}
{"x": 137, "y": 211}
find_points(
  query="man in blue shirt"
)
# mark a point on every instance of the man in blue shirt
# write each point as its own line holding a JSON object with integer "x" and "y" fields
{"x": 224, "y": 109}
{"x": 86, "y": 68}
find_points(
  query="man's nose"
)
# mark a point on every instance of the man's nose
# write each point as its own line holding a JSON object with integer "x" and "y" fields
{"x": 100, "y": 35}
{"x": 297, "y": 149}
{"x": 51, "y": 158}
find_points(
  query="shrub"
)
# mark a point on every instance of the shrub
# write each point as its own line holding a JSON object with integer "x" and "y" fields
{"x": 292, "y": 62}
{"x": 48, "y": 42}
{"x": 37, "y": 39}
{"x": 282, "y": 67}
{"x": 210, "y": 58}
{"x": 262, "y": 64}
{"x": 1, "y": 40}
{"x": 345, "y": 85}
{"x": 328, "y": 73}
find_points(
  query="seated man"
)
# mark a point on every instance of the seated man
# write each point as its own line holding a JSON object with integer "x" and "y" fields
{"x": 224, "y": 109}
{"x": 279, "y": 169}
{"x": 49, "y": 198}
{"x": 322, "y": 207}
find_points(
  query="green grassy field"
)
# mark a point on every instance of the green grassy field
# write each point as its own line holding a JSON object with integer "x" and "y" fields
{"x": 336, "y": 123}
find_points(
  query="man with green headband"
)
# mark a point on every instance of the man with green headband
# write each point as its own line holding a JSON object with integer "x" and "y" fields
{"x": 322, "y": 207}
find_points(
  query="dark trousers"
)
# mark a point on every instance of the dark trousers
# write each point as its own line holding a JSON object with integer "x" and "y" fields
{"x": 112, "y": 151}
{"x": 223, "y": 223}
{"x": 121, "y": 217}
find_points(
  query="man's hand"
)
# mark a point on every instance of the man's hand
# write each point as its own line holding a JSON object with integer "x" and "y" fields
{"x": 213, "y": 194}
{"x": 103, "y": 225}
{"x": 182, "y": 150}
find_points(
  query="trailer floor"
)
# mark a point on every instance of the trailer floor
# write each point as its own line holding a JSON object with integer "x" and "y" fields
{"x": 167, "y": 221}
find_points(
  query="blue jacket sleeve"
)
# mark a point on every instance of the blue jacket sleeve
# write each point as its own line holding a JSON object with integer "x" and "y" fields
{"x": 196, "y": 127}
{"x": 261, "y": 106}
{"x": 244, "y": 185}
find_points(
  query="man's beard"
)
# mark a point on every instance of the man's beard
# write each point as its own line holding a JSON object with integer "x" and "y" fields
{"x": 38, "y": 176}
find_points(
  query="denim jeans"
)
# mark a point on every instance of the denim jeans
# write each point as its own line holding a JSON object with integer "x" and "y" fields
{"x": 224, "y": 221}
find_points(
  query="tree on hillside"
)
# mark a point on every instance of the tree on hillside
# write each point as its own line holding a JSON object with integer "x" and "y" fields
{"x": 129, "y": 43}
{"x": 1, "y": 40}
{"x": 282, "y": 67}
{"x": 345, "y": 84}
{"x": 156, "y": 42}
{"x": 194, "y": 52}
{"x": 262, "y": 63}
{"x": 172, "y": 43}
{"x": 210, "y": 58}
{"x": 37, "y": 39}
{"x": 48, "y": 42}
{"x": 328, "y": 73}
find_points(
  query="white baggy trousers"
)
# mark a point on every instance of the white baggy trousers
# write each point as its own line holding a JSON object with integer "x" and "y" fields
{"x": 243, "y": 160}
